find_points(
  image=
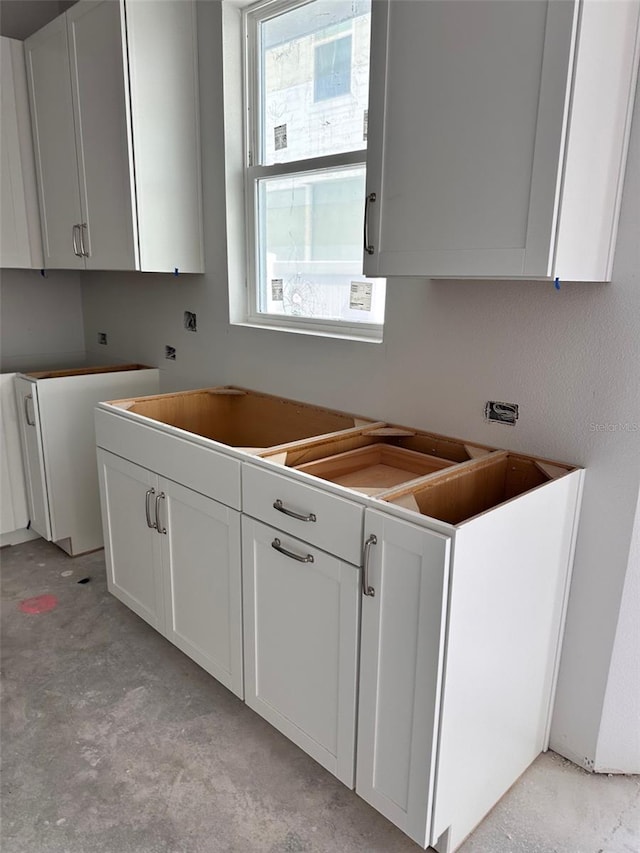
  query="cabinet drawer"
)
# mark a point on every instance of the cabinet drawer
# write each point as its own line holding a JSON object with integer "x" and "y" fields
{"x": 200, "y": 468}
{"x": 334, "y": 524}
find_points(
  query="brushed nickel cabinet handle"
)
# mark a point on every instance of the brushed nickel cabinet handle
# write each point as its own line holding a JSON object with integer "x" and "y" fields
{"x": 26, "y": 410}
{"x": 369, "y": 249}
{"x": 307, "y": 559}
{"x": 282, "y": 508}
{"x": 152, "y": 524}
{"x": 159, "y": 526}
{"x": 75, "y": 232}
{"x": 366, "y": 589}
{"x": 81, "y": 229}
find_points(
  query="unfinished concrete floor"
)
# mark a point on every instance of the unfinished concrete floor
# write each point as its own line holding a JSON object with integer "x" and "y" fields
{"x": 113, "y": 742}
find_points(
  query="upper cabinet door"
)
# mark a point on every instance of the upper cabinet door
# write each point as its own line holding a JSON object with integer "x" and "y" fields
{"x": 47, "y": 59}
{"x": 20, "y": 243}
{"x": 102, "y": 135}
{"x": 475, "y": 129}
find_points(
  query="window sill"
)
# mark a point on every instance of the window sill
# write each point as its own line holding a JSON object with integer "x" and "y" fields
{"x": 367, "y": 336}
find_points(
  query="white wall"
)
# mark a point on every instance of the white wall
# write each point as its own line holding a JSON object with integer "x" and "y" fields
{"x": 621, "y": 713}
{"x": 41, "y": 322}
{"x": 568, "y": 357}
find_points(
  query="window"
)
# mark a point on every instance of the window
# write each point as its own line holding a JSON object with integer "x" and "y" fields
{"x": 332, "y": 74}
{"x": 307, "y": 89}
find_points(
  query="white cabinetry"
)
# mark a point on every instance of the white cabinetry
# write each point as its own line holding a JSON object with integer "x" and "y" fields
{"x": 401, "y": 664}
{"x": 457, "y": 676}
{"x": 113, "y": 91}
{"x": 301, "y": 643}
{"x": 55, "y": 414}
{"x": 20, "y": 243}
{"x": 134, "y": 569}
{"x": 173, "y": 557}
{"x": 14, "y": 515}
{"x": 462, "y": 592}
{"x": 497, "y": 137}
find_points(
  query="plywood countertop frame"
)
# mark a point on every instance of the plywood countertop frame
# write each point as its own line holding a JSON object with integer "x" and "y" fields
{"x": 449, "y": 479}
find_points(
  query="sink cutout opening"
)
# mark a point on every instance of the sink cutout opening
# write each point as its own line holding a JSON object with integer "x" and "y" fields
{"x": 242, "y": 419}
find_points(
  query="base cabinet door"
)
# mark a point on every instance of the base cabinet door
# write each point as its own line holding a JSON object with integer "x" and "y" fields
{"x": 300, "y": 639}
{"x": 401, "y": 663}
{"x": 202, "y": 580}
{"x": 33, "y": 456}
{"x": 173, "y": 557}
{"x": 132, "y": 546}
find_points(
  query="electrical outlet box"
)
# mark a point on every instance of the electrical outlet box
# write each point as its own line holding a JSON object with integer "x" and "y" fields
{"x": 170, "y": 353}
{"x": 501, "y": 413}
{"x": 190, "y": 323}
{"x": 102, "y": 338}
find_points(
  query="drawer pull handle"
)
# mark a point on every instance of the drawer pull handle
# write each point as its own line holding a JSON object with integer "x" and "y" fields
{"x": 26, "y": 410}
{"x": 276, "y": 544}
{"x": 366, "y": 589}
{"x": 151, "y": 524}
{"x": 158, "y": 525}
{"x": 282, "y": 508}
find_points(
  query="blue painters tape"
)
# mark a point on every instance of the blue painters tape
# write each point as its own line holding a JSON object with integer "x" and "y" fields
{"x": 556, "y": 283}
{"x": 175, "y": 271}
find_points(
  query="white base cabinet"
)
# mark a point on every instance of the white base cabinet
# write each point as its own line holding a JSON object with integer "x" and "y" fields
{"x": 301, "y": 610}
{"x": 173, "y": 557}
{"x": 55, "y": 417}
{"x": 14, "y": 515}
{"x": 428, "y": 604}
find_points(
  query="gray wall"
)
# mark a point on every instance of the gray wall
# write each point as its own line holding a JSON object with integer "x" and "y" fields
{"x": 41, "y": 322}
{"x": 569, "y": 358}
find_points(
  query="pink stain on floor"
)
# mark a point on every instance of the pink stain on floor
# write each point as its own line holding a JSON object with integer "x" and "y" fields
{"x": 39, "y": 604}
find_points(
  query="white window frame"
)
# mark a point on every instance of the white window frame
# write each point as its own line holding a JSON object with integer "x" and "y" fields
{"x": 253, "y": 171}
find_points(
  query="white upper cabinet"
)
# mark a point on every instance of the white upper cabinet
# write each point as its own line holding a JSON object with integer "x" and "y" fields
{"x": 114, "y": 98}
{"x": 20, "y": 244}
{"x": 497, "y": 137}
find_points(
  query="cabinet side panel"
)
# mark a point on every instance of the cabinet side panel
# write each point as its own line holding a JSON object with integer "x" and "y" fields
{"x": 605, "y": 80}
{"x": 508, "y": 595}
{"x": 48, "y": 75}
{"x": 551, "y": 128}
{"x": 162, "y": 52}
{"x": 99, "y": 91}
